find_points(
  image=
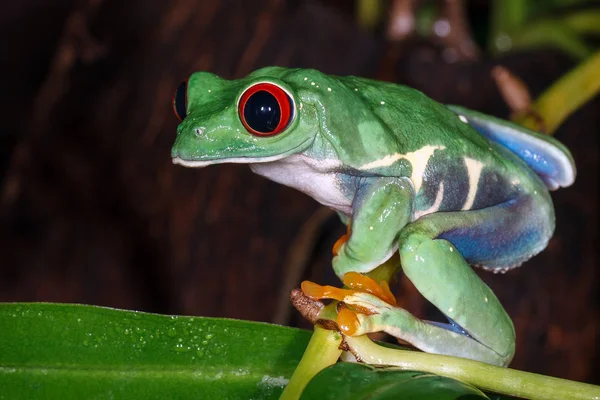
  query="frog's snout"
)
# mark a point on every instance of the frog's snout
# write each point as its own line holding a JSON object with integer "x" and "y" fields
{"x": 183, "y": 154}
{"x": 175, "y": 154}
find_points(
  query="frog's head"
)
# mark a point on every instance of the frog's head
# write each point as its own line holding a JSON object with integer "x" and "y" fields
{"x": 256, "y": 119}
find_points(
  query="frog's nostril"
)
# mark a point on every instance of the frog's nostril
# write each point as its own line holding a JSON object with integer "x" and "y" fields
{"x": 200, "y": 131}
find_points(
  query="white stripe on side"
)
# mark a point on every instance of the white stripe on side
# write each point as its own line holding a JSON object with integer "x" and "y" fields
{"x": 474, "y": 168}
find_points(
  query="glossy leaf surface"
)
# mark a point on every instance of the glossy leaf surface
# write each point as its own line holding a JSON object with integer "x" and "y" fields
{"x": 350, "y": 381}
{"x": 56, "y": 351}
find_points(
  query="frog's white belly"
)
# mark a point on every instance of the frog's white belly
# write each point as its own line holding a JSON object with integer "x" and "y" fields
{"x": 313, "y": 177}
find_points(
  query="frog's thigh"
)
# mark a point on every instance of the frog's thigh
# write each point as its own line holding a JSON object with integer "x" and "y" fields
{"x": 497, "y": 236}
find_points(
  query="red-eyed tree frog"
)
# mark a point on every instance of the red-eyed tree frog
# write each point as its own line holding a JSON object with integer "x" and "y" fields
{"x": 444, "y": 186}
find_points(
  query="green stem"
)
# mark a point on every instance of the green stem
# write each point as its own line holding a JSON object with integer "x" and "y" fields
{"x": 565, "y": 95}
{"x": 586, "y": 22}
{"x": 387, "y": 270}
{"x": 322, "y": 351}
{"x": 368, "y": 13}
{"x": 484, "y": 376}
{"x": 552, "y": 33}
{"x": 506, "y": 15}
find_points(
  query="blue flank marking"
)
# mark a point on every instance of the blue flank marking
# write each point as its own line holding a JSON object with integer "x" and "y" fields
{"x": 533, "y": 156}
{"x": 496, "y": 245}
{"x": 492, "y": 246}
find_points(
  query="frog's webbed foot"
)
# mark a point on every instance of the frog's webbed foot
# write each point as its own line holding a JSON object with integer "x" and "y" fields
{"x": 363, "y": 306}
{"x": 369, "y": 307}
{"x": 364, "y": 313}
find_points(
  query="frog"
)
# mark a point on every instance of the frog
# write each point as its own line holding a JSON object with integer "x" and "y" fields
{"x": 445, "y": 187}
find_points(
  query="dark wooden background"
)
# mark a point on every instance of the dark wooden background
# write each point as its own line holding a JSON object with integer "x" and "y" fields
{"x": 92, "y": 210}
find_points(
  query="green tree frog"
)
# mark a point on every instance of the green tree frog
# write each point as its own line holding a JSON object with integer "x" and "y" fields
{"x": 444, "y": 186}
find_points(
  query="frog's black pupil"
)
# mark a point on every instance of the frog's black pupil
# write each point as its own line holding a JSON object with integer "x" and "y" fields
{"x": 180, "y": 101}
{"x": 262, "y": 112}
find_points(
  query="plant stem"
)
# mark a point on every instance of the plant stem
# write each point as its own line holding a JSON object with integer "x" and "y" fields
{"x": 387, "y": 270}
{"x": 321, "y": 352}
{"x": 586, "y": 22}
{"x": 550, "y": 33}
{"x": 484, "y": 376}
{"x": 566, "y": 95}
{"x": 368, "y": 13}
{"x": 323, "y": 349}
{"x": 506, "y": 16}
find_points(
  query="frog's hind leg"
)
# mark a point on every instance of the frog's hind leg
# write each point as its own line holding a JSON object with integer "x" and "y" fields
{"x": 431, "y": 251}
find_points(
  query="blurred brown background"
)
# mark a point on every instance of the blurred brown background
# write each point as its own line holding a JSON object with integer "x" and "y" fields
{"x": 92, "y": 210}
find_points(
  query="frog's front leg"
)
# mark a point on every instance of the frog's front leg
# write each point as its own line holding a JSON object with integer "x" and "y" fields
{"x": 381, "y": 207}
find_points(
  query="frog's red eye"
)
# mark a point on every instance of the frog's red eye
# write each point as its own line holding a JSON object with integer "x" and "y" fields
{"x": 180, "y": 101}
{"x": 265, "y": 109}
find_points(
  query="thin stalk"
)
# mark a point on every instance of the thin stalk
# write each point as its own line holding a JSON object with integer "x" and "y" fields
{"x": 368, "y": 13}
{"x": 565, "y": 95}
{"x": 506, "y": 15}
{"x": 483, "y": 376}
{"x": 586, "y": 22}
{"x": 387, "y": 270}
{"x": 322, "y": 351}
{"x": 552, "y": 33}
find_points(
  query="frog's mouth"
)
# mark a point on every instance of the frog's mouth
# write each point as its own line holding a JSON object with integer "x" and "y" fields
{"x": 244, "y": 159}
{"x": 236, "y": 160}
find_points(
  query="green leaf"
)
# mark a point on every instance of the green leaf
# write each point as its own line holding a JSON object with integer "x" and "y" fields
{"x": 56, "y": 351}
{"x": 351, "y": 381}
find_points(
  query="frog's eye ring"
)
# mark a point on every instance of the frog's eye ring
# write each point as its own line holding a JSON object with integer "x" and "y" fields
{"x": 265, "y": 109}
{"x": 179, "y": 101}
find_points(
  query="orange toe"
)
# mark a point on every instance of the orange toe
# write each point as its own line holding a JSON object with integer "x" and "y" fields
{"x": 363, "y": 283}
{"x": 341, "y": 240}
{"x": 317, "y": 292}
{"x": 347, "y": 321}
{"x": 339, "y": 243}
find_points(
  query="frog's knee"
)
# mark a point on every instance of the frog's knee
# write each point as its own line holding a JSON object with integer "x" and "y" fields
{"x": 348, "y": 261}
{"x": 410, "y": 244}
{"x": 509, "y": 353}
{"x": 362, "y": 258}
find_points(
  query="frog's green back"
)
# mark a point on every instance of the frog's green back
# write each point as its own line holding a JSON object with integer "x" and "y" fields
{"x": 398, "y": 122}
{"x": 418, "y": 121}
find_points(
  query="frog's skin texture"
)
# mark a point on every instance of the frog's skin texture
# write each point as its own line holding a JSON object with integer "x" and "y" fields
{"x": 444, "y": 186}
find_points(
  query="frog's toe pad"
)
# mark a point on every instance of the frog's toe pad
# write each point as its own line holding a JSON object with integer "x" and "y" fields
{"x": 315, "y": 291}
{"x": 363, "y": 283}
{"x": 348, "y": 322}
{"x": 337, "y": 246}
{"x": 361, "y": 304}
{"x": 357, "y": 283}
{"x": 362, "y": 313}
